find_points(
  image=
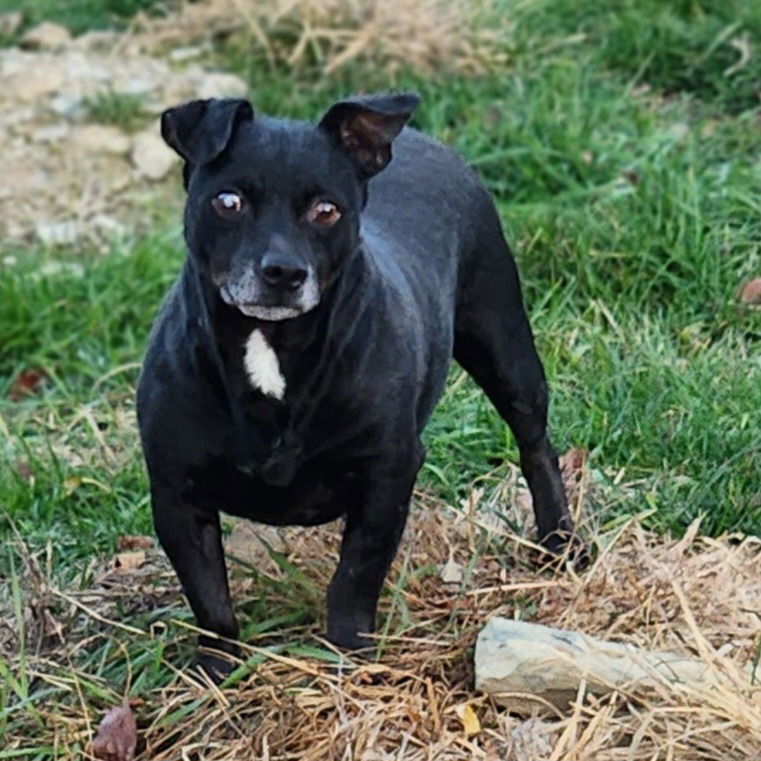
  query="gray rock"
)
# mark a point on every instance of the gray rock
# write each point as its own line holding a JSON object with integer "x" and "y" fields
{"x": 515, "y": 659}
{"x": 67, "y": 105}
{"x": 31, "y": 85}
{"x": 151, "y": 156}
{"x": 180, "y": 55}
{"x": 50, "y": 133}
{"x": 108, "y": 226}
{"x": 46, "y": 36}
{"x": 101, "y": 138}
{"x": 219, "y": 84}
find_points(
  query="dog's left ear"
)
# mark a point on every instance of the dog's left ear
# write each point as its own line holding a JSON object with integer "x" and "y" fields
{"x": 366, "y": 126}
{"x": 201, "y": 129}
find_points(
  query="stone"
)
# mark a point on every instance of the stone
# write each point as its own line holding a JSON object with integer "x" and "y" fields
{"x": 31, "y": 85}
{"x": 451, "y": 572}
{"x": 180, "y": 55}
{"x": 515, "y": 659}
{"x": 10, "y": 23}
{"x": 108, "y": 226}
{"x": 66, "y": 105}
{"x": 219, "y": 84}
{"x": 51, "y": 133}
{"x": 46, "y": 36}
{"x": 101, "y": 138}
{"x": 151, "y": 156}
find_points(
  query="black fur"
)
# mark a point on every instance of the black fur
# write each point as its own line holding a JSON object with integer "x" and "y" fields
{"x": 416, "y": 271}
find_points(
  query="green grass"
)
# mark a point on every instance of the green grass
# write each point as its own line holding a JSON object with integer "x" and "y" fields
{"x": 109, "y": 107}
{"x": 635, "y": 215}
{"x": 80, "y": 15}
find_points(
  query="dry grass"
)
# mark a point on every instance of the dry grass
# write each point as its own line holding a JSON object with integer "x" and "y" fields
{"x": 697, "y": 596}
{"x": 425, "y": 35}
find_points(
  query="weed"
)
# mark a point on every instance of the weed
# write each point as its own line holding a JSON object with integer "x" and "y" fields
{"x": 110, "y": 107}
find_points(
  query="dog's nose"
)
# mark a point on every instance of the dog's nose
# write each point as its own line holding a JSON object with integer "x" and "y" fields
{"x": 283, "y": 271}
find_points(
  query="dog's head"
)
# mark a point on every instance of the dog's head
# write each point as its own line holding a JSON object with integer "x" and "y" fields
{"x": 273, "y": 206}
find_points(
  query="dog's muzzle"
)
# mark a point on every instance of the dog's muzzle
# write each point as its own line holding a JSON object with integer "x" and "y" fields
{"x": 280, "y": 290}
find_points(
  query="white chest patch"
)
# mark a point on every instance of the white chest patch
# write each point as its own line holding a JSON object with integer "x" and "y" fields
{"x": 262, "y": 366}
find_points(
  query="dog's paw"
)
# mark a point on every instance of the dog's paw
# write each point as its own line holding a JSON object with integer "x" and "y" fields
{"x": 215, "y": 665}
{"x": 345, "y": 639}
{"x": 562, "y": 547}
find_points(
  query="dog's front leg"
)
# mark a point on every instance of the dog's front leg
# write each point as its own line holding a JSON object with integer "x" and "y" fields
{"x": 191, "y": 538}
{"x": 371, "y": 536}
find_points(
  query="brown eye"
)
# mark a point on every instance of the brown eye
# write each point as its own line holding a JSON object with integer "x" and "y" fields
{"x": 324, "y": 213}
{"x": 227, "y": 204}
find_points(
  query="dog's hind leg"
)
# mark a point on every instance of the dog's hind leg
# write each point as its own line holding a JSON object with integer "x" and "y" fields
{"x": 494, "y": 343}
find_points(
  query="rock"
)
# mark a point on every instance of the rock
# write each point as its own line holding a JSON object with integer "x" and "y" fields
{"x": 514, "y": 659}
{"x": 50, "y": 133}
{"x": 451, "y": 572}
{"x": 46, "y": 36}
{"x": 10, "y": 23}
{"x": 151, "y": 156}
{"x": 99, "y": 40}
{"x": 108, "y": 225}
{"x": 529, "y": 740}
{"x": 61, "y": 233}
{"x": 67, "y": 105}
{"x": 219, "y": 84}
{"x": 180, "y": 55}
{"x": 101, "y": 138}
{"x": 31, "y": 85}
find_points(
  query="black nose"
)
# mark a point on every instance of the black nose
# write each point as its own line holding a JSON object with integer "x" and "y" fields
{"x": 283, "y": 271}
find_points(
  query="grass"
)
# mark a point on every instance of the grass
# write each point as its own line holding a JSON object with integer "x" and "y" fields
{"x": 79, "y": 15}
{"x": 110, "y": 107}
{"x": 622, "y": 150}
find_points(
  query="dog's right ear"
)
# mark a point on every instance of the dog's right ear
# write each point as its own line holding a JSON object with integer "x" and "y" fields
{"x": 201, "y": 129}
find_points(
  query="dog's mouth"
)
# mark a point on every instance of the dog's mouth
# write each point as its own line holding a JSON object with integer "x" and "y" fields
{"x": 271, "y": 312}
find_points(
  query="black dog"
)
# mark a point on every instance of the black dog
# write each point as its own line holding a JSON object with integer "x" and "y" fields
{"x": 300, "y": 353}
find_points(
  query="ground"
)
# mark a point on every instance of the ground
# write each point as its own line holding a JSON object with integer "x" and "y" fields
{"x": 621, "y": 142}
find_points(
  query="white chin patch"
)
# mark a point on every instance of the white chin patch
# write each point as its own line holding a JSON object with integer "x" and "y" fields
{"x": 271, "y": 314}
{"x": 262, "y": 366}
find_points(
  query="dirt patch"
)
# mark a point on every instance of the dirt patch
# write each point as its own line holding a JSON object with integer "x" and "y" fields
{"x": 82, "y": 157}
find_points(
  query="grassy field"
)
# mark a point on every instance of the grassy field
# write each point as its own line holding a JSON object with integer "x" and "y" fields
{"x": 621, "y": 141}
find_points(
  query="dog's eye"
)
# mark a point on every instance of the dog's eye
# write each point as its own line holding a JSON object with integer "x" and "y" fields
{"x": 227, "y": 204}
{"x": 324, "y": 213}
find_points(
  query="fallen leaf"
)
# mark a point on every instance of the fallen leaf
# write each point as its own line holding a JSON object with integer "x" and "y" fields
{"x": 117, "y": 735}
{"x": 751, "y": 292}
{"x": 129, "y": 561}
{"x": 572, "y": 465}
{"x": 130, "y": 542}
{"x": 24, "y": 469}
{"x": 470, "y": 723}
{"x": 71, "y": 484}
{"x": 26, "y": 383}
